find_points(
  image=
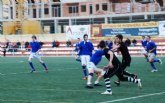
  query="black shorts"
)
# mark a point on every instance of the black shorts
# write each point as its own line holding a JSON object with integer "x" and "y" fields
{"x": 117, "y": 70}
{"x": 125, "y": 64}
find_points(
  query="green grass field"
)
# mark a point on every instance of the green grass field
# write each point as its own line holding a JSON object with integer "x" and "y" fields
{"x": 64, "y": 84}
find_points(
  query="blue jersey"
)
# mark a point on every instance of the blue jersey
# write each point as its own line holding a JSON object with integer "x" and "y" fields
{"x": 110, "y": 45}
{"x": 150, "y": 46}
{"x": 77, "y": 47}
{"x": 86, "y": 48}
{"x": 97, "y": 56}
{"x": 35, "y": 46}
{"x": 144, "y": 43}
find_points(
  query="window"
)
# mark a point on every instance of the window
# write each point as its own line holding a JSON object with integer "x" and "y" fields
{"x": 105, "y": 7}
{"x": 46, "y": 11}
{"x": 73, "y": 9}
{"x": 83, "y": 8}
{"x": 97, "y": 7}
{"x": 91, "y": 9}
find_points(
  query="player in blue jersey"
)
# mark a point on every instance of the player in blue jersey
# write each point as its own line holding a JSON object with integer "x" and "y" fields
{"x": 86, "y": 49}
{"x": 151, "y": 49}
{"x": 95, "y": 59}
{"x": 144, "y": 44}
{"x": 35, "y": 49}
{"x": 77, "y": 50}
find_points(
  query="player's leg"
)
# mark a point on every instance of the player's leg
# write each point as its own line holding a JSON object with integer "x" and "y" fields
{"x": 124, "y": 65}
{"x": 151, "y": 57}
{"x": 90, "y": 68}
{"x": 120, "y": 75}
{"x": 101, "y": 72}
{"x": 30, "y": 62}
{"x": 108, "y": 74}
{"x": 83, "y": 62}
{"x": 42, "y": 62}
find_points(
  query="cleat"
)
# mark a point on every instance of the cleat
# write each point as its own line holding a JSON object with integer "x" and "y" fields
{"x": 139, "y": 83}
{"x": 89, "y": 86}
{"x": 117, "y": 83}
{"x": 135, "y": 77}
{"x": 32, "y": 71}
{"x": 160, "y": 61}
{"x": 46, "y": 70}
{"x": 97, "y": 85}
{"x": 107, "y": 93}
{"x": 152, "y": 71}
{"x": 85, "y": 78}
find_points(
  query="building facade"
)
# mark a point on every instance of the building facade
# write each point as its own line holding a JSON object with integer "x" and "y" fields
{"x": 54, "y": 15}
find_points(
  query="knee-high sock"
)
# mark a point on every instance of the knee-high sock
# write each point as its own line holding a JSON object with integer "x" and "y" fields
{"x": 31, "y": 65}
{"x": 89, "y": 78}
{"x": 84, "y": 70}
{"x": 153, "y": 66}
{"x": 108, "y": 84}
{"x": 44, "y": 65}
{"x": 128, "y": 74}
{"x": 132, "y": 80}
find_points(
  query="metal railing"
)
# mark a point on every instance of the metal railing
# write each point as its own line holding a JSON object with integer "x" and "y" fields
{"x": 19, "y": 52}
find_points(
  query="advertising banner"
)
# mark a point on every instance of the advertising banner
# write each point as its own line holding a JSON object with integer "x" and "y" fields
{"x": 162, "y": 28}
{"x": 74, "y": 32}
{"x": 131, "y": 29}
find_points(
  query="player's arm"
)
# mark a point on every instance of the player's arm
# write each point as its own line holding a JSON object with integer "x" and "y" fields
{"x": 110, "y": 59}
{"x": 39, "y": 48}
{"x": 115, "y": 48}
{"x": 154, "y": 45}
{"x": 110, "y": 65}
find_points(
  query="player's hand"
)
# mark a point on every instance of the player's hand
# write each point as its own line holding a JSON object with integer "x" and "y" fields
{"x": 105, "y": 68}
{"x": 110, "y": 65}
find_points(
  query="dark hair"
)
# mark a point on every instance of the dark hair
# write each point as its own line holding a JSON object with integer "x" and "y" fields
{"x": 34, "y": 37}
{"x": 85, "y": 35}
{"x": 102, "y": 44}
{"x": 149, "y": 36}
{"x": 119, "y": 36}
{"x": 143, "y": 36}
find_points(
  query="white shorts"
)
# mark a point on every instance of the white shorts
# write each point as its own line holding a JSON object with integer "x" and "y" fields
{"x": 151, "y": 56}
{"x": 143, "y": 51}
{"x": 34, "y": 55}
{"x": 92, "y": 67}
{"x": 85, "y": 59}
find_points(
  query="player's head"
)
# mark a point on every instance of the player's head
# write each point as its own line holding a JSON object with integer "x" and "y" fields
{"x": 34, "y": 38}
{"x": 78, "y": 39}
{"x": 143, "y": 37}
{"x": 148, "y": 38}
{"x": 85, "y": 37}
{"x": 102, "y": 44}
{"x": 119, "y": 38}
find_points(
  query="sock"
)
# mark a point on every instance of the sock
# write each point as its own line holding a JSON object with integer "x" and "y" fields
{"x": 96, "y": 82}
{"x": 108, "y": 84}
{"x": 79, "y": 60}
{"x": 84, "y": 70}
{"x": 89, "y": 78}
{"x": 153, "y": 66}
{"x": 44, "y": 65}
{"x": 128, "y": 74}
{"x": 31, "y": 65}
{"x": 132, "y": 80}
{"x": 156, "y": 60}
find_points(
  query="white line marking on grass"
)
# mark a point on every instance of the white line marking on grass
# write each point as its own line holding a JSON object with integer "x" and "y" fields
{"x": 141, "y": 96}
{"x": 36, "y": 72}
{"x": 25, "y": 101}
